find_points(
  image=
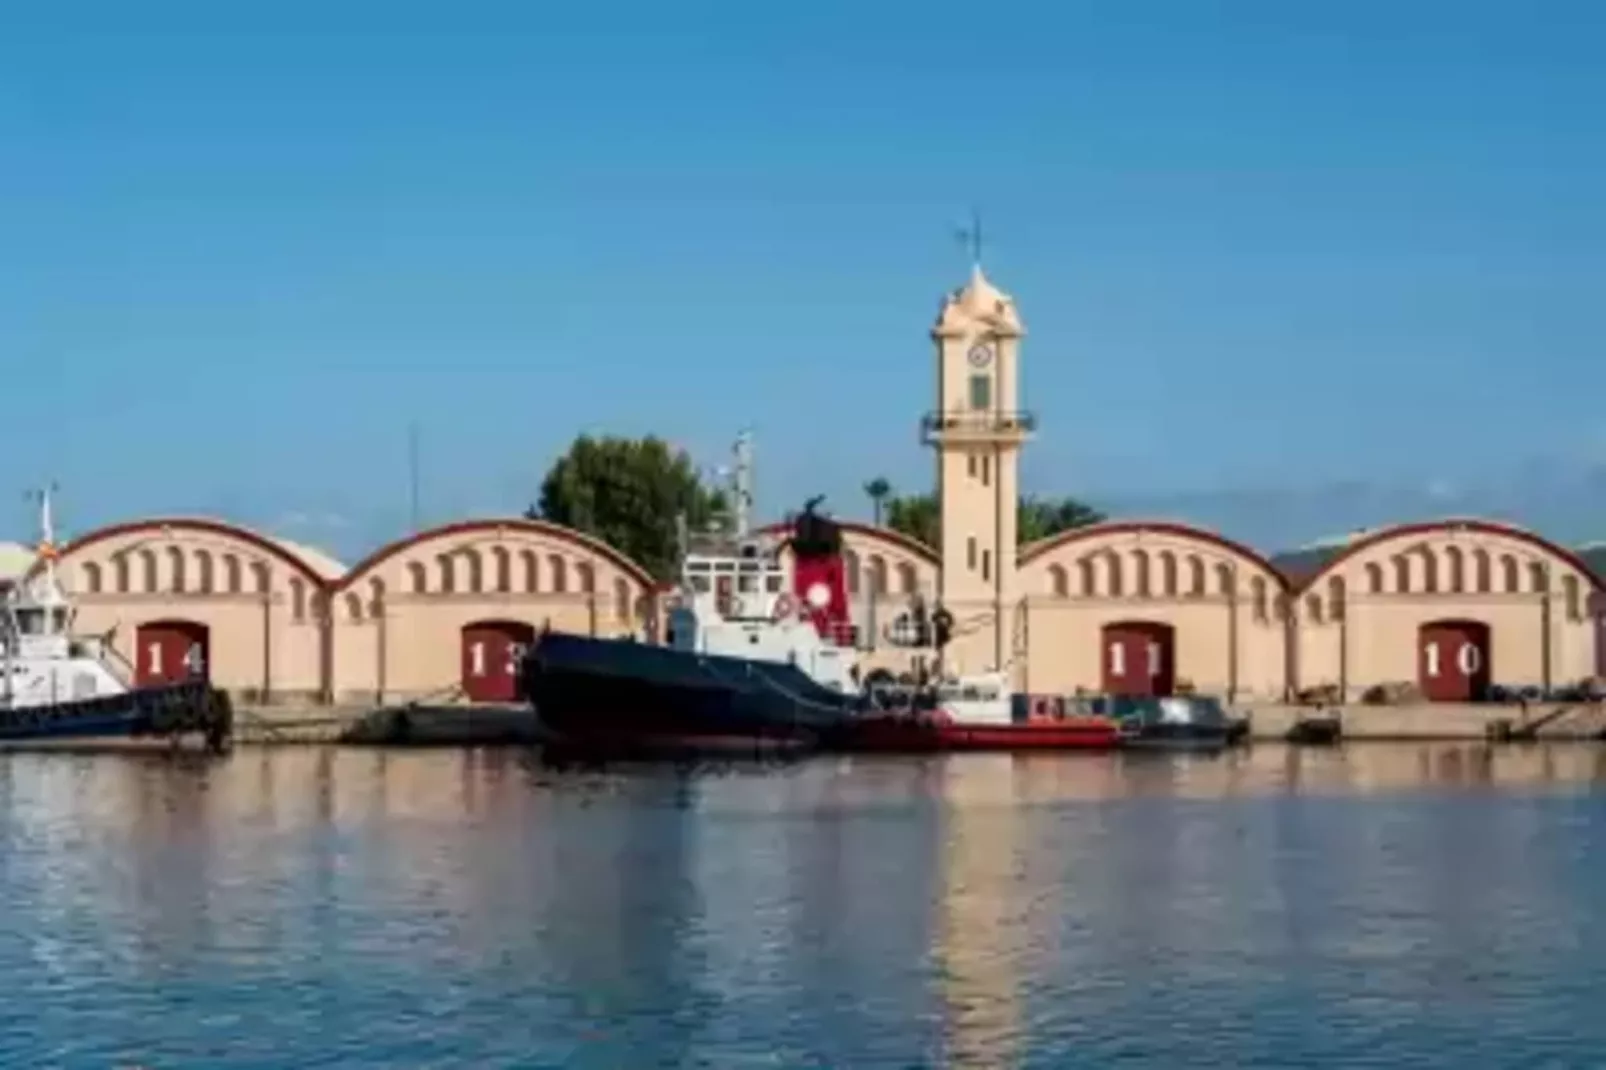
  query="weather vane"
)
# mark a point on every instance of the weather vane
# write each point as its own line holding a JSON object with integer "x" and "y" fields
{"x": 970, "y": 237}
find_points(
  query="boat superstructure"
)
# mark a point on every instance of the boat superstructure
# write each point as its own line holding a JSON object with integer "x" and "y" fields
{"x": 55, "y": 684}
{"x": 41, "y": 663}
{"x": 740, "y": 597}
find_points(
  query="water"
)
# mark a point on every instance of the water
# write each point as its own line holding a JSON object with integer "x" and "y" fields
{"x": 1379, "y": 906}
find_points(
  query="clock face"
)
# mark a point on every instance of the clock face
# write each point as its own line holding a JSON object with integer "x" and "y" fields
{"x": 981, "y": 354}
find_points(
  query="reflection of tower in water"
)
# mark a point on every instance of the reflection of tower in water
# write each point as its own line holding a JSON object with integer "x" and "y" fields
{"x": 983, "y": 928}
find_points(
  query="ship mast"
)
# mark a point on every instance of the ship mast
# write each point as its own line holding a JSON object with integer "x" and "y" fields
{"x": 742, "y": 485}
{"x": 47, "y": 536}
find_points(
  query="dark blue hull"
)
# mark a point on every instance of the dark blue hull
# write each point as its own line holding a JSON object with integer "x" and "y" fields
{"x": 622, "y": 697}
{"x": 150, "y": 711}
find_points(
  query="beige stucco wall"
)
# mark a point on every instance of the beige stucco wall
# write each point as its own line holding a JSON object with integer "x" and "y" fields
{"x": 394, "y": 623}
{"x": 1359, "y": 619}
{"x": 236, "y": 584}
{"x": 1220, "y": 599}
{"x": 399, "y": 617}
{"x": 278, "y": 631}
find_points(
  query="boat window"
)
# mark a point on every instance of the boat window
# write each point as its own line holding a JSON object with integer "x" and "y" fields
{"x": 747, "y": 584}
{"x": 971, "y": 694}
{"x": 699, "y": 584}
{"x": 773, "y": 583}
{"x": 31, "y": 621}
{"x": 60, "y": 617}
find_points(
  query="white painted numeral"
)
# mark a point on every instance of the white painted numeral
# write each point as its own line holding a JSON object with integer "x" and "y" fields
{"x": 1469, "y": 659}
{"x": 155, "y": 650}
{"x": 1117, "y": 659}
{"x": 194, "y": 661}
{"x": 1154, "y": 659}
{"x": 515, "y": 654}
{"x": 1431, "y": 655}
{"x": 476, "y": 659}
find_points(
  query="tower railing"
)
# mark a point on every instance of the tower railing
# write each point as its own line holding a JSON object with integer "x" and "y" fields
{"x": 991, "y": 423}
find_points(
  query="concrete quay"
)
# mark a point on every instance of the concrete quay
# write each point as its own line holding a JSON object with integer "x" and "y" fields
{"x": 459, "y": 724}
{"x": 1436, "y": 722}
{"x": 468, "y": 724}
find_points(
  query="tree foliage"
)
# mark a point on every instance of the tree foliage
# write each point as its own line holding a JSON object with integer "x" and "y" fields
{"x": 918, "y": 516}
{"x": 629, "y": 493}
{"x": 915, "y": 515}
{"x": 1038, "y": 518}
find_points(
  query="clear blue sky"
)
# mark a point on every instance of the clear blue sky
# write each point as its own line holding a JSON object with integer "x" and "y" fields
{"x": 1286, "y": 267}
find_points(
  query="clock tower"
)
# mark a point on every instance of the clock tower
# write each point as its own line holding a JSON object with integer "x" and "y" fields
{"x": 977, "y": 430}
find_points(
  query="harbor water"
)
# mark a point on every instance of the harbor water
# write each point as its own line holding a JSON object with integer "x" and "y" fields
{"x": 1386, "y": 905}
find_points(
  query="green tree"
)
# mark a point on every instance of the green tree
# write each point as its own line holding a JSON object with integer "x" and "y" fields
{"x": 629, "y": 493}
{"x": 918, "y": 517}
{"x": 1038, "y": 518}
{"x": 878, "y": 490}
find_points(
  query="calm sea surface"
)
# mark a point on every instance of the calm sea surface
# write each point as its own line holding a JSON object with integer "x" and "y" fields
{"x": 1379, "y": 906}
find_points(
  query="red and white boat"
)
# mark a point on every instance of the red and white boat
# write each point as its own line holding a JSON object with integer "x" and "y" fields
{"x": 971, "y": 713}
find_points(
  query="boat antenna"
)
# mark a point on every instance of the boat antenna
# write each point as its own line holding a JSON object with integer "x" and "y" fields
{"x": 412, "y": 474}
{"x": 47, "y": 550}
{"x": 742, "y": 484}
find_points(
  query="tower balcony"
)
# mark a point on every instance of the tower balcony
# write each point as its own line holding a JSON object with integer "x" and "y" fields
{"x": 989, "y": 427}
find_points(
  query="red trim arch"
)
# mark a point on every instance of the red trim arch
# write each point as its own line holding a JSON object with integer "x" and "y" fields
{"x": 1032, "y": 551}
{"x": 1435, "y": 527}
{"x": 580, "y": 539}
{"x": 211, "y": 527}
{"x": 871, "y": 531}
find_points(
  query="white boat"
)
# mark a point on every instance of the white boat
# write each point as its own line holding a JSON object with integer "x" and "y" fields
{"x": 56, "y": 685}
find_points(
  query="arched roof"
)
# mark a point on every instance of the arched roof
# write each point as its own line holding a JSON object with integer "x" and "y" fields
{"x": 871, "y": 531}
{"x": 589, "y": 543}
{"x": 1032, "y": 551}
{"x": 204, "y": 525}
{"x": 1437, "y": 527}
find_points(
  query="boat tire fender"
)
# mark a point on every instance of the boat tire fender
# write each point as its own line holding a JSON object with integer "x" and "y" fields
{"x": 785, "y": 606}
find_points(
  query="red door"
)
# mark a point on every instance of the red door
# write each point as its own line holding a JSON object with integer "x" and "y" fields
{"x": 171, "y": 651}
{"x": 1139, "y": 658}
{"x": 1453, "y": 660}
{"x": 492, "y": 651}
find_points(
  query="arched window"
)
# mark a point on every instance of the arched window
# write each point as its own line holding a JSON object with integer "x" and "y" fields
{"x": 1168, "y": 573}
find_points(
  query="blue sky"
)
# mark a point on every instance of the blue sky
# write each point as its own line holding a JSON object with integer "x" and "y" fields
{"x": 1287, "y": 268}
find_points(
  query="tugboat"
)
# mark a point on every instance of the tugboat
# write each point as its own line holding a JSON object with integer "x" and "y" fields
{"x": 54, "y": 685}
{"x": 755, "y": 660}
{"x": 762, "y": 659}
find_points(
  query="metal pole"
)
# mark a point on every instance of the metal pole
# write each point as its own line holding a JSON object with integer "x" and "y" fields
{"x": 412, "y": 473}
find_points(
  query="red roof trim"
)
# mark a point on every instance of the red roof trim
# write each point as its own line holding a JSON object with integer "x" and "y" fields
{"x": 871, "y": 531}
{"x": 1031, "y": 552}
{"x": 211, "y": 527}
{"x": 585, "y": 542}
{"x": 1436, "y": 527}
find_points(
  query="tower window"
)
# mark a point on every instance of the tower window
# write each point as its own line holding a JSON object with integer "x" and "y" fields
{"x": 987, "y": 564}
{"x": 981, "y": 392}
{"x": 970, "y": 552}
{"x": 986, "y": 471}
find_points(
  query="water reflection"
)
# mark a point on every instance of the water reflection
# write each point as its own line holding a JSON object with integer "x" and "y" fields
{"x": 407, "y": 908}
